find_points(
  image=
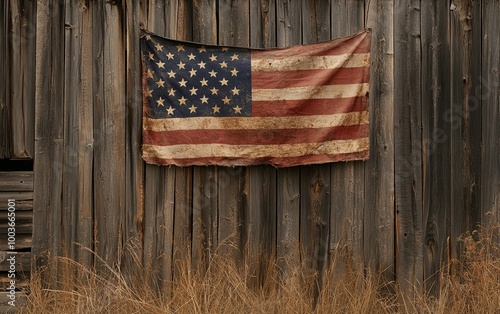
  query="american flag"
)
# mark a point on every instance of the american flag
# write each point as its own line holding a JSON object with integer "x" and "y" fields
{"x": 214, "y": 105}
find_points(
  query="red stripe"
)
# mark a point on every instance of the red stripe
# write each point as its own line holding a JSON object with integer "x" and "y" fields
{"x": 300, "y": 78}
{"x": 255, "y": 137}
{"x": 356, "y": 44}
{"x": 308, "y": 107}
{"x": 277, "y": 162}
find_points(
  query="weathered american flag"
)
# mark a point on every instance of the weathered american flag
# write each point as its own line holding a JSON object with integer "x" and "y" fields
{"x": 213, "y": 105}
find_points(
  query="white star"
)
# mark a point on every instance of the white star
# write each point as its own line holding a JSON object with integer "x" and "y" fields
{"x": 171, "y": 92}
{"x": 193, "y": 91}
{"x": 234, "y": 72}
{"x": 214, "y": 91}
{"x": 149, "y": 73}
{"x": 182, "y": 100}
{"x": 180, "y": 47}
{"x": 191, "y": 56}
{"x": 160, "y": 83}
{"x": 204, "y": 82}
{"x": 223, "y": 64}
{"x": 171, "y": 74}
{"x": 202, "y": 49}
{"x": 148, "y": 37}
{"x": 192, "y": 109}
{"x": 192, "y": 72}
{"x": 212, "y": 73}
{"x": 202, "y": 65}
{"x": 216, "y": 109}
{"x": 160, "y": 64}
{"x": 170, "y": 110}
{"x": 204, "y": 100}
{"x": 226, "y": 100}
{"x": 182, "y": 83}
{"x": 160, "y": 101}
{"x": 148, "y": 92}
{"x": 237, "y": 109}
{"x": 150, "y": 56}
{"x": 170, "y": 56}
{"x": 158, "y": 47}
{"x": 234, "y": 57}
{"x": 235, "y": 91}
{"x": 225, "y": 49}
{"x": 223, "y": 82}
{"x": 213, "y": 57}
{"x": 181, "y": 65}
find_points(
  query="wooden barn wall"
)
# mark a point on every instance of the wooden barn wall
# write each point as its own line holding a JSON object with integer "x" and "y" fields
{"x": 433, "y": 172}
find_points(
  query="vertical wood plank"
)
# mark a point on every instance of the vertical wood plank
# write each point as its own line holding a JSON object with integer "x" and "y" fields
{"x": 465, "y": 121}
{"x": 315, "y": 180}
{"x": 490, "y": 95}
{"x": 407, "y": 149}
{"x": 379, "y": 169}
{"x": 109, "y": 154}
{"x": 260, "y": 227}
{"x": 204, "y": 178}
{"x": 435, "y": 138}
{"x": 288, "y": 17}
{"x": 48, "y": 130}
{"x": 347, "y": 195}
{"x": 77, "y": 195}
{"x": 133, "y": 214}
{"x": 5, "y": 128}
{"x": 234, "y": 30}
{"x": 159, "y": 191}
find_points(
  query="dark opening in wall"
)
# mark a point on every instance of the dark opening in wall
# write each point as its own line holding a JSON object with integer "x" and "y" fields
{"x": 16, "y": 165}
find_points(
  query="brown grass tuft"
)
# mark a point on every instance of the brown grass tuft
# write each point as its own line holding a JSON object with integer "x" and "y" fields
{"x": 226, "y": 287}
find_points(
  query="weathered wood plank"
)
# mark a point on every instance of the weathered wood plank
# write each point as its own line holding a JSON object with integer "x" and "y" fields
{"x": 16, "y": 181}
{"x": 348, "y": 188}
{"x": 23, "y": 242}
{"x": 109, "y": 133}
{"x": 24, "y": 200}
{"x": 263, "y": 23}
{"x": 183, "y": 216}
{"x": 379, "y": 169}
{"x": 435, "y": 138}
{"x": 315, "y": 180}
{"x": 260, "y": 227}
{"x": 20, "y": 302}
{"x": 490, "y": 95}
{"x": 407, "y": 150}
{"x": 288, "y": 17}
{"x": 48, "y": 129}
{"x": 159, "y": 217}
{"x": 5, "y": 128}
{"x": 465, "y": 121}
{"x": 205, "y": 179}
{"x": 133, "y": 215}
{"x": 233, "y": 202}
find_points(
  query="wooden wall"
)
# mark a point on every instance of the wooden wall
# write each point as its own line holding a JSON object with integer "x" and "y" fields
{"x": 433, "y": 172}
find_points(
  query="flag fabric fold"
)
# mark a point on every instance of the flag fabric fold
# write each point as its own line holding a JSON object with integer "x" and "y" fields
{"x": 219, "y": 105}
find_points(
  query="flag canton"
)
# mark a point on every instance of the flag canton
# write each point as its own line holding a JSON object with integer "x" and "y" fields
{"x": 189, "y": 80}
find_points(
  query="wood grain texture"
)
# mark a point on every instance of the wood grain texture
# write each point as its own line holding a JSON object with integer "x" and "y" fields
{"x": 379, "y": 169}
{"x": 347, "y": 179}
{"x": 407, "y": 149}
{"x": 435, "y": 139}
{"x": 109, "y": 123}
{"x": 490, "y": 122}
{"x": 5, "y": 128}
{"x": 205, "y": 179}
{"x": 233, "y": 202}
{"x": 48, "y": 130}
{"x": 288, "y": 33}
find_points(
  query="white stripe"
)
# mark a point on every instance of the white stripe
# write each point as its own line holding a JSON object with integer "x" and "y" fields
{"x": 310, "y": 92}
{"x": 312, "y": 62}
{"x": 256, "y": 151}
{"x": 236, "y": 123}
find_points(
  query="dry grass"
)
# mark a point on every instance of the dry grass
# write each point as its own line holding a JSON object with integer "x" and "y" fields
{"x": 225, "y": 287}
